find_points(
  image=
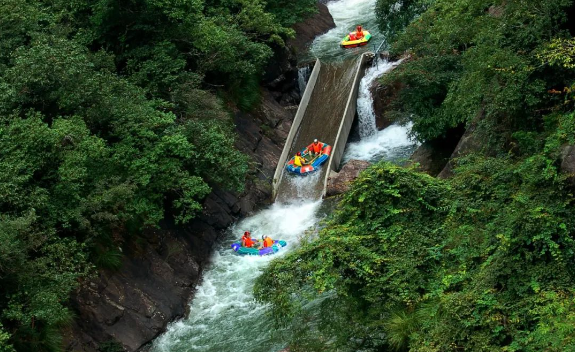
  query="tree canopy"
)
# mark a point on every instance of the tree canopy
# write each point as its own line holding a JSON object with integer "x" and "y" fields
{"x": 111, "y": 115}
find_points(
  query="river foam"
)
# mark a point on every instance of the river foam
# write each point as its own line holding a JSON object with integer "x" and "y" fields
{"x": 224, "y": 316}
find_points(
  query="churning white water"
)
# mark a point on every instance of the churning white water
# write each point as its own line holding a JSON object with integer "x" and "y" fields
{"x": 347, "y": 14}
{"x": 224, "y": 317}
{"x": 392, "y": 144}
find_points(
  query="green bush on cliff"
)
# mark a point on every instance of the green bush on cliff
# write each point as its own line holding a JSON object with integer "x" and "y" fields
{"x": 481, "y": 262}
{"x": 479, "y": 60}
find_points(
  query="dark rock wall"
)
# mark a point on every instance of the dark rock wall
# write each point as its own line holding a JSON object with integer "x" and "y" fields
{"x": 307, "y": 30}
{"x": 133, "y": 305}
{"x": 383, "y": 97}
{"x": 568, "y": 162}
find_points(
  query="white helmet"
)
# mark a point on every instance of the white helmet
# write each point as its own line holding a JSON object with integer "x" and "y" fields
{"x": 315, "y": 140}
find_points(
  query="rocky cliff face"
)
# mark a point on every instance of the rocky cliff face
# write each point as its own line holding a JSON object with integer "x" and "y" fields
{"x": 307, "y": 30}
{"x": 126, "y": 309}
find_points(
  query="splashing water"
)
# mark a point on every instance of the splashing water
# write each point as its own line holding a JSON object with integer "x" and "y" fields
{"x": 392, "y": 143}
{"x": 365, "y": 111}
{"x": 303, "y": 184}
{"x": 224, "y": 317}
{"x": 347, "y": 14}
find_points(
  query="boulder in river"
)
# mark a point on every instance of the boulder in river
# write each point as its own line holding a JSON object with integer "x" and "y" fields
{"x": 339, "y": 182}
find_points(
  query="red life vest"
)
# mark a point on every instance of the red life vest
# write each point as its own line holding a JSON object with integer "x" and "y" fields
{"x": 247, "y": 241}
{"x": 359, "y": 32}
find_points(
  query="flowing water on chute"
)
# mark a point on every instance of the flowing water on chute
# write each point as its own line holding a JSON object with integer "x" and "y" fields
{"x": 347, "y": 14}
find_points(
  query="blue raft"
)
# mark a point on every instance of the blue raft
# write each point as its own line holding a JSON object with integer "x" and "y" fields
{"x": 237, "y": 247}
{"x": 306, "y": 169}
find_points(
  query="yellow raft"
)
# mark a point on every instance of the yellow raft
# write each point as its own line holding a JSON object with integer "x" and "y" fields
{"x": 346, "y": 43}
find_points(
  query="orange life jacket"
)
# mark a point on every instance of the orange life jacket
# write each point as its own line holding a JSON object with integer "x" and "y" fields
{"x": 268, "y": 242}
{"x": 316, "y": 147}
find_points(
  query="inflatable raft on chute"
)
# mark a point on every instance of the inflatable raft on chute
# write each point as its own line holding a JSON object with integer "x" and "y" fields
{"x": 238, "y": 248}
{"x": 348, "y": 42}
{"x": 313, "y": 165}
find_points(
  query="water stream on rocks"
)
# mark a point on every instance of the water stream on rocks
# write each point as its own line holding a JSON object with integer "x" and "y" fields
{"x": 392, "y": 143}
{"x": 224, "y": 317}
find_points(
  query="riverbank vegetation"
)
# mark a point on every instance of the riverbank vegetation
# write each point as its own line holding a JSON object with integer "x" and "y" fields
{"x": 483, "y": 260}
{"x": 111, "y": 114}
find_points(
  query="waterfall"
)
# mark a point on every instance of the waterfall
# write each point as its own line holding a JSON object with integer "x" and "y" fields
{"x": 392, "y": 143}
{"x": 365, "y": 111}
{"x": 303, "y": 74}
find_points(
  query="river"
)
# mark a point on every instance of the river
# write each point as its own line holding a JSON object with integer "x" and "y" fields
{"x": 224, "y": 316}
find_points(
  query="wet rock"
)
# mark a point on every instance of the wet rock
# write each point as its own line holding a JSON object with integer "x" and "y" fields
{"x": 307, "y": 30}
{"x": 340, "y": 182}
{"x": 216, "y": 212}
{"x": 134, "y": 304}
{"x": 249, "y": 132}
{"x": 568, "y": 162}
{"x": 470, "y": 142}
{"x": 433, "y": 156}
{"x": 268, "y": 153}
{"x": 383, "y": 98}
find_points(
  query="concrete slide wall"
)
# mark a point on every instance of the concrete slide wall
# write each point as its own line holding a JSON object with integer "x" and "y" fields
{"x": 295, "y": 126}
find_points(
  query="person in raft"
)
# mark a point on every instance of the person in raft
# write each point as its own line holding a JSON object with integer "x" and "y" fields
{"x": 299, "y": 160}
{"x": 267, "y": 242}
{"x": 247, "y": 240}
{"x": 316, "y": 148}
{"x": 358, "y": 32}
{"x": 357, "y": 35}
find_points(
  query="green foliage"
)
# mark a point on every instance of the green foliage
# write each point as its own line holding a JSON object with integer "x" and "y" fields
{"x": 291, "y": 12}
{"x": 421, "y": 262}
{"x": 481, "y": 60}
{"x": 393, "y": 16}
{"x": 108, "y": 123}
{"x": 5, "y": 345}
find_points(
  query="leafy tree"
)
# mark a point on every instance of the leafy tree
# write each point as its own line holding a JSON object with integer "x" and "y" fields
{"x": 394, "y": 16}
{"x": 109, "y": 121}
{"x": 469, "y": 57}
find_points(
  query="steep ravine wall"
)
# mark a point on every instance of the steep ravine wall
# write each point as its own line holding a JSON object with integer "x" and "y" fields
{"x": 131, "y": 306}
